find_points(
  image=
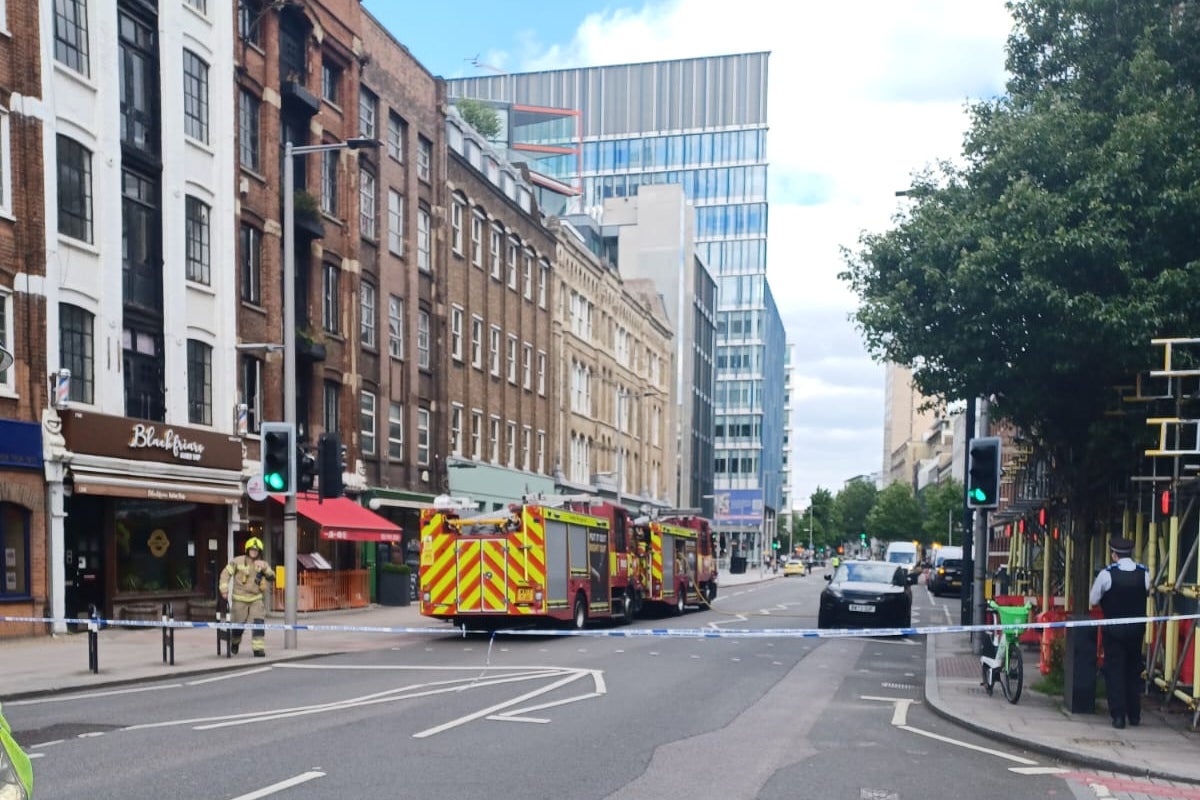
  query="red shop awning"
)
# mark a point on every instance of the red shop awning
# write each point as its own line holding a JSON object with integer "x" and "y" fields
{"x": 342, "y": 519}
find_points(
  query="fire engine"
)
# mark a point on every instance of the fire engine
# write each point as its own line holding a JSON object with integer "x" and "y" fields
{"x": 537, "y": 560}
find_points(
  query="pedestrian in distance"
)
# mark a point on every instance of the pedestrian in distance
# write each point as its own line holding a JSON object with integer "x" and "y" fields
{"x": 244, "y": 576}
{"x": 1121, "y": 590}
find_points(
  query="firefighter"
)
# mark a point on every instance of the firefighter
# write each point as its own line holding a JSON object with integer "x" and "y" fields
{"x": 245, "y": 575}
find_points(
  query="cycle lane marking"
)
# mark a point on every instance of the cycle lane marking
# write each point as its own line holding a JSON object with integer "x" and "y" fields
{"x": 275, "y": 788}
{"x": 900, "y": 720}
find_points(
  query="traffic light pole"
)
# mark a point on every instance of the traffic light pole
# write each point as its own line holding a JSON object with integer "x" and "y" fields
{"x": 968, "y": 542}
{"x": 291, "y": 594}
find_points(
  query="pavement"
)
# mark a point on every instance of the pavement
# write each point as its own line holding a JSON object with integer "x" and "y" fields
{"x": 1163, "y": 746}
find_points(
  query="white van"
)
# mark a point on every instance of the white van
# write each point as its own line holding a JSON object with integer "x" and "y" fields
{"x": 904, "y": 553}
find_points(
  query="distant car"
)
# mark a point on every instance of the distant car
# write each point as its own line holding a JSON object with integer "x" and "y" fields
{"x": 794, "y": 566}
{"x": 947, "y": 574}
{"x": 868, "y": 594}
{"x": 905, "y": 553}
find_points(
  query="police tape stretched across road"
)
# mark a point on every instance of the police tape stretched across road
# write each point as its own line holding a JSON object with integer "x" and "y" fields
{"x": 676, "y": 633}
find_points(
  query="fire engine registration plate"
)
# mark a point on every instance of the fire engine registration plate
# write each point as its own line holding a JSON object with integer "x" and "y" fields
{"x": 525, "y": 594}
{"x": 864, "y": 609}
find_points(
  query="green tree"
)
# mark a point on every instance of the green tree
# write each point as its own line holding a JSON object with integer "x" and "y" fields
{"x": 479, "y": 115}
{"x": 1037, "y": 272}
{"x": 896, "y": 516}
{"x": 942, "y": 503}
{"x": 851, "y": 509}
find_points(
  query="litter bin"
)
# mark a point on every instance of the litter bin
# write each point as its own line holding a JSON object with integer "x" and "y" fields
{"x": 737, "y": 565}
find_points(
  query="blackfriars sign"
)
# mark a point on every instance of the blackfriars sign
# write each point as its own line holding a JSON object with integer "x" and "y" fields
{"x": 181, "y": 448}
{"x": 147, "y": 440}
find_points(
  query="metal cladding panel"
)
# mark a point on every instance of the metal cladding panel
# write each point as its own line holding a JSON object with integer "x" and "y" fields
{"x": 556, "y": 561}
{"x": 686, "y": 94}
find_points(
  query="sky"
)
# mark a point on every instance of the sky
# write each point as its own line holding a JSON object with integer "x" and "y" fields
{"x": 860, "y": 96}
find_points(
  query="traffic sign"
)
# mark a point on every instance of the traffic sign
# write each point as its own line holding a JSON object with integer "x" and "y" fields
{"x": 256, "y": 489}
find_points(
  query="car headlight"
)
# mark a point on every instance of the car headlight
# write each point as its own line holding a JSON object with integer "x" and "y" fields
{"x": 835, "y": 592}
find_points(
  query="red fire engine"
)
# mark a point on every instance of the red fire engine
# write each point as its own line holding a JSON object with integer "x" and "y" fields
{"x": 538, "y": 560}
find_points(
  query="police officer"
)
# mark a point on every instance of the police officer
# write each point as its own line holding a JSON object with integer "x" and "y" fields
{"x": 245, "y": 576}
{"x": 1120, "y": 590}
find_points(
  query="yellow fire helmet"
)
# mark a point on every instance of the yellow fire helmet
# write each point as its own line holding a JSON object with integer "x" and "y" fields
{"x": 254, "y": 542}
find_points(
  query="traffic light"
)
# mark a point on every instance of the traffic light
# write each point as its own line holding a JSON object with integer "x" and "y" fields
{"x": 1164, "y": 503}
{"x": 983, "y": 473}
{"x": 330, "y": 455}
{"x": 775, "y": 545}
{"x": 306, "y": 469}
{"x": 862, "y": 537}
{"x": 278, "y": 457}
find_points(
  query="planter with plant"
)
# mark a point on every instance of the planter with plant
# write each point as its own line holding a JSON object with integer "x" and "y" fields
{"x": 393, "y": 588}
{"x": 306, "y": 213}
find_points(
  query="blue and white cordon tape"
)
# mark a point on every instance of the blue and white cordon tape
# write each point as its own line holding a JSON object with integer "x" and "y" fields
{"x": 673, "y": 633}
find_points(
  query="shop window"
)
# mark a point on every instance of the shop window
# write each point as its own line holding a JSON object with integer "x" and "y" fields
{"x": 14, "y": 552}
{"x": 156, "y": 544}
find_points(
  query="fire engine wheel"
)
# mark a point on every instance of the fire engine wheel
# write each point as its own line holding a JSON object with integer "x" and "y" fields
{"x": 710, "y": 592}
{"x": 579, "y": 619}
{"x": 680, "y": 600}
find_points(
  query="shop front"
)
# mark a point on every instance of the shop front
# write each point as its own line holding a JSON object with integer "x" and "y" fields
{"x": 23, "y": 585}
{"x": 404, "y": 510}
{"x": 333, "y": 538}
{"x": 149, "y": 510}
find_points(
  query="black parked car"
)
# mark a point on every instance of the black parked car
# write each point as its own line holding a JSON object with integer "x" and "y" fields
{"x": 868, "y": 594}
{"x": 946, "y": 577}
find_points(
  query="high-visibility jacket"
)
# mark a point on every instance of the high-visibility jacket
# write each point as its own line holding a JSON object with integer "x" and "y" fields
{"x": 22, "y": 770}
{"x": 245, "y": 572}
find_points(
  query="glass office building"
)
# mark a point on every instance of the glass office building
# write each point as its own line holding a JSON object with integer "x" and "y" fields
{"x": 700, "y": 123}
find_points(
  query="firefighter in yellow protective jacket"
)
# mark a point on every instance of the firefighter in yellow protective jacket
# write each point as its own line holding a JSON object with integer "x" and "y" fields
{"x": 244, "y": 576}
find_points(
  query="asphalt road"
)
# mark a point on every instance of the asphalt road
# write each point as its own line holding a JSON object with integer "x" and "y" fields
{"x": 543, "y": 717}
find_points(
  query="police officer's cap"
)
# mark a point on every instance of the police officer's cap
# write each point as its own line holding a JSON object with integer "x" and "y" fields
{"x": 1120, "y": 546}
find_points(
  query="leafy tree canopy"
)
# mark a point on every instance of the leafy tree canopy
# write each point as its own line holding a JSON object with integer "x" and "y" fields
{"x": 479, "y": 115}
{"x": 896, "y": 515}
{"x": 942, "y": 506}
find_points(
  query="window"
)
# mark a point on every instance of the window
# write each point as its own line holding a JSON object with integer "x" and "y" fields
{"x": 248, "y": 127}
{"x": 395, "y": 137}
{"x": 5, "y": 158}
{"x": 528, "y": 275}
{"x": 366, "y": 203}
{"x": 514, "y": 254}
{"x": 331, "y": 79}
{"x": 333, "y": 407}
{"x": 526, "y": 440}
{"x": 14, "y": 550}
{"x": 395, "y": 327}
{"x": 199, "y": 5}
{"x": 199, "y": 382}
{"x": 197, "y": 238}
{"x": 250, "y": 252}
{"x": 423, "y": 239}
{"x": 139, "y": 85}
{"x": 195, "y": 96}
{"x": 541, "y": 452}
{"x": 330, "y": 295}
{"x": 366, "y": 309}
{"x": 75, "y": 337}
{"x": 71, "y": 34}
{"x": 456, "y": 225}
{"x": 367, "y": 104}
{"x": 527, "y": 366}
{"x": 248, "y": 17}
{"x": 476, "y": 341}
{"x": 395, "y": 230}
{"x": 512, "y": 359}
{"x": 423, "y": 436}
{"x": 494, "y": 348}
{"x": 74, "y": 189}
{"x": 329, "y": 165}
{"x": 456, "y": 418}
{"x": 456, "y": 332}
{"x": 541, "y": 373}
{"x": 396, "y": 431}
{"x": 543, "y": 282}
{"x": 6, "y": 336}
{"x": 476, "y": 433}
{"x": 510, "y": 444}
{"x": 477, "y": 239}
{"x": 366, "y": 423}
{"x": 251, "y": 386}
{"x": 495, "y": 440}
{"x": 423, "y": 339}
{"x": 424, "y": 156}
{"x": 497, "y": 248}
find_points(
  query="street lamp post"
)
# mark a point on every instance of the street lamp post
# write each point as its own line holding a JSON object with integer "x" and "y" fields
{"x": 810, "y": 513}
{"x": 291, "y": 592}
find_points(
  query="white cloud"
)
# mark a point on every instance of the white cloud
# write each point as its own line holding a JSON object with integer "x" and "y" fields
{"x": 861, "y": 95}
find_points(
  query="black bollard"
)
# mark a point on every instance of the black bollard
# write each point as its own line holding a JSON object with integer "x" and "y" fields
{"x": 93, "y": 639}
{"x": 168, "y": 632}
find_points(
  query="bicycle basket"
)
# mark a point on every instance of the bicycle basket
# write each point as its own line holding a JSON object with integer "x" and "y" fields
{"x": 1012, "y": 615}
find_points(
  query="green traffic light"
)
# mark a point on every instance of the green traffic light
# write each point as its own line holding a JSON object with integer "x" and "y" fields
{"x": 274, "y": 481}
{"x": 979, "y": 495}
